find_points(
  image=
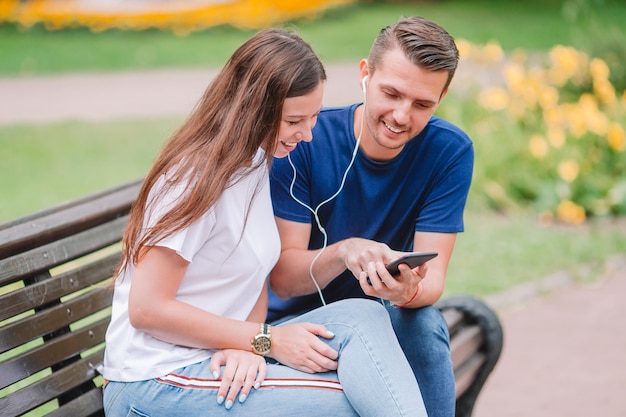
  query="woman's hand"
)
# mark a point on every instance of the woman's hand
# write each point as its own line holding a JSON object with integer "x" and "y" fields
{"x": 298, "y": 346}
{"x": 242, "y": 371}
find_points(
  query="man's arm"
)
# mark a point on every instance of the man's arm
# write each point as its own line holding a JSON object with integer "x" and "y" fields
{"x": 290, "y": 277}
{"x": 434, "y": 282}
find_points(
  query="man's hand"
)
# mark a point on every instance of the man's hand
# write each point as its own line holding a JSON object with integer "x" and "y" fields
{"x": 298, "y": 346}
{"x": 358, "y": 254}
{"x": 399, "y": 289}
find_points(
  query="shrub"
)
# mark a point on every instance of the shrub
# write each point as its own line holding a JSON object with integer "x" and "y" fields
{"x": 550, "y": 135}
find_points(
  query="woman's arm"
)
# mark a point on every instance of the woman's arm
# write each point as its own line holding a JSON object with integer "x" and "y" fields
{"x": 154, "y": 309}
{"x": 259, "y": 311}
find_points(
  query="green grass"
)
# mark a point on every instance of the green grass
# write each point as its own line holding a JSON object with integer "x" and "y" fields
{"x": 499, "y": 251}
{"x": 343, "y": 34}
{"x": 43, "y": 165}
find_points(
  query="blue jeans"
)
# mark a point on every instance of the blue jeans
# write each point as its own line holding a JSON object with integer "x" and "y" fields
{"x": 425, "y": 340}
{"x": 375, "y": 378}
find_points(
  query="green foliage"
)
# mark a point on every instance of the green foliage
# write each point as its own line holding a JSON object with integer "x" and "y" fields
{"x": 599, "y": 38}
{"x": 551, "y": 136}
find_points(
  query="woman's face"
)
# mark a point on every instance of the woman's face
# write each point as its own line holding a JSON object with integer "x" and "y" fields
{"x": 298, "y": 117}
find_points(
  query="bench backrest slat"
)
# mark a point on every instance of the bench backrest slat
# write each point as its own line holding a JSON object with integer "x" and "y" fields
{"x": 59, "y": 252}
{"x": 52, "y": 319}
{"x": 89, "y": 404}
{"x": 53, "y": 288}
{"x": 66, "y": 219}
{"x": 53, "y": 353}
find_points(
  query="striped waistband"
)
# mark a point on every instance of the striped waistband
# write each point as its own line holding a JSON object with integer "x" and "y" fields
{"x": 184, "y": 381}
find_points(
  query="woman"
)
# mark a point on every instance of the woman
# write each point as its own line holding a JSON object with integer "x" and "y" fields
{"x": 187, "y": 335}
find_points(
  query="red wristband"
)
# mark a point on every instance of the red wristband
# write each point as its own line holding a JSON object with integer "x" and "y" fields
{"x": 417, "y": 290}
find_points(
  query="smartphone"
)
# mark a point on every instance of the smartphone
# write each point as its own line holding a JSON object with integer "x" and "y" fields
{"x": 412, "y": 260}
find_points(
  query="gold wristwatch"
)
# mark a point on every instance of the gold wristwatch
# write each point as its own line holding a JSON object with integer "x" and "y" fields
{"x": 262, "y": 342}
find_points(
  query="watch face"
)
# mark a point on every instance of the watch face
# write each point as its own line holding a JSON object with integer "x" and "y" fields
{"x": 262, "y": 344}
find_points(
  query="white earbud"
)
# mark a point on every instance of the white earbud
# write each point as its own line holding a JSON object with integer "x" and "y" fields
{"x": 363, "y": 84}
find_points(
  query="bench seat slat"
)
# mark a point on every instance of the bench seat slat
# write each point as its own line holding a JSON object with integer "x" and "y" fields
{"x": 454, "y": 320}
{"x": 53, "y": 288}
{"x": 51, "y": 386}
{"x": 52, "y": 352}
{"x": 464, "y": 375}
{"x": 56, "y": 253}
{"x": 465, "y": 343}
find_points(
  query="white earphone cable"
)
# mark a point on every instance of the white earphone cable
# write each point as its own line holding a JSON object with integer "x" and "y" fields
{"x": 315, "y": 212}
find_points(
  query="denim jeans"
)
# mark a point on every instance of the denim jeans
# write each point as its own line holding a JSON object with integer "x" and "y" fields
{"x": 375, "y": 378}
{"x": 425, "y": 340}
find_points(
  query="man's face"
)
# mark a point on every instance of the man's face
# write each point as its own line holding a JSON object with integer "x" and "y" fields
{"x": 400, "y": 100}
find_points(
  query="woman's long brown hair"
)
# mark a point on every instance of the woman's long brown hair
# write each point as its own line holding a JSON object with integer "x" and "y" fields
{"x": 239, "y": 113}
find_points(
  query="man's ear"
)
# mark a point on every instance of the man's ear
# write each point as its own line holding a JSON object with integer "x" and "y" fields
{"x": 364, "y": 69}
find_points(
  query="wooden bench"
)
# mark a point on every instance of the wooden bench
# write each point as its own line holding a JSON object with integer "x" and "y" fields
{"x": 55, "y": 306}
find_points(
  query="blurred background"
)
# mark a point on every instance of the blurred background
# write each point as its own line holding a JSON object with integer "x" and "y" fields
{"x": 540, "y": 89}
{"x": 91, "y": 89}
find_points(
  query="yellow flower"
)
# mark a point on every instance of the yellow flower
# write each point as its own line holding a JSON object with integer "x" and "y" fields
{"x": 514, "y": 74}
{"x": 548, "y": 96}
{"x": 555, "y": 116}
{"x": 494, "y": 99}
{"x": 564, "y": 60}
{"x": 595, "y": 121}
{"x": 617, "y": 137}
{"x": 598, "y": 69}
{"x": 568, "y": 170}
{"x": 604, "y": 91}
{"x": 537, "y": 146}
{"x": 556, "y": 136}
{"x": 493, "y": 52}
{"x": 576, "y": 120}
{"x": 465, "y": 48}
{"x": 570, "y": 212}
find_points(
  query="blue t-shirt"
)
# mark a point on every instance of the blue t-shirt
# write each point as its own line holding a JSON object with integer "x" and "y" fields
{"x": 424, "y": 188}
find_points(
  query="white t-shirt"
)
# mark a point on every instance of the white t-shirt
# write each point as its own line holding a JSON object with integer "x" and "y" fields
{"x": 225, "y": 276}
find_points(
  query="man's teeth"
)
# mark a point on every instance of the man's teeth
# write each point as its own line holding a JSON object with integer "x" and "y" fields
{"x": 393, "y": 129}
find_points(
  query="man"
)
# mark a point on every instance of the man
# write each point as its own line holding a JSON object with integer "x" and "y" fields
{"x": 380, "y": 179}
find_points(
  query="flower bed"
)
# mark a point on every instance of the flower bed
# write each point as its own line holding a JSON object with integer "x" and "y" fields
{"x": 181, "y": 16}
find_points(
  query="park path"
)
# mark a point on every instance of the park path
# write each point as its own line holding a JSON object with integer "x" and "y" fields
{"x": 109, "y": 96}
{"x": 565, "y": 342}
